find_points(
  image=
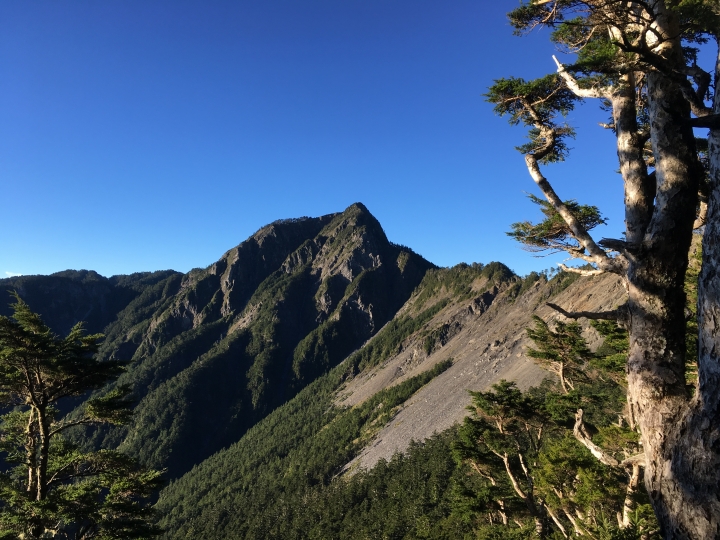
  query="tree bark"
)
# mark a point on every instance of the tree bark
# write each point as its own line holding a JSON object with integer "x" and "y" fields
{"x": 629, "y": 503}
{"x": 44, "y": 454}
{"x": 656, "y": 361}
{"x": 694, "y": 462}
{"x": 639, "y": 185}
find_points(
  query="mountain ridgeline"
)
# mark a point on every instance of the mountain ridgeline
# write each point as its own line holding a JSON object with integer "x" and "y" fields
{"x": 214, "y": 351}
{"x": 275, "y": 386}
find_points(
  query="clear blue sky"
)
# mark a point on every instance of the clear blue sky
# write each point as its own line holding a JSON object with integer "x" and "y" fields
{"x": 143, "y": 135}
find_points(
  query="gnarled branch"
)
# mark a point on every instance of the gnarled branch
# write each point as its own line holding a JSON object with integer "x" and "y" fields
{"x": 573, "y": 85}
{"x": 620, "y": 314}
{"x": 595, "y": 253}
{"x": 582, "y": 272}
{"x": 583, "y": 437}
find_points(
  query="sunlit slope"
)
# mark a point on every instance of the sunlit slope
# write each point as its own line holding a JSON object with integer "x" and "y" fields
{"x": 462, "y": 329}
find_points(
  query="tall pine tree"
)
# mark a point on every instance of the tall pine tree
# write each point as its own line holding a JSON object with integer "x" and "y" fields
{"x": 48, "y": 487}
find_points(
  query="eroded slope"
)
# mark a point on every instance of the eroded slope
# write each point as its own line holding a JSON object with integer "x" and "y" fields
{"x": 485, "y": 337}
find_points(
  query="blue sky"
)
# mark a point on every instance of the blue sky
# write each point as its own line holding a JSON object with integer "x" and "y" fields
{"x": 146, "y": 135}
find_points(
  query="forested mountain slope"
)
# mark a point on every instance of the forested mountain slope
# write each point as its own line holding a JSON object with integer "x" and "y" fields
{"x": 215, "y": 350}
{"x": 66, "y": 298}
{"x": 269, "y": 382}
{"x": 462, "y": 329}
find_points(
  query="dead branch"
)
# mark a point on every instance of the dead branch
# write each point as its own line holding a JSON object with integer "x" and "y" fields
{"x": 583, "y": 437}
{"x": 620, "y": 314}
{"x": 573, "y": 85}
{"x": 580, "y": 271}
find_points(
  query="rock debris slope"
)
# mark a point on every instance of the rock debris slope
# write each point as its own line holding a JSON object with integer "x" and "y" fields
{"x": 486, "y": 339}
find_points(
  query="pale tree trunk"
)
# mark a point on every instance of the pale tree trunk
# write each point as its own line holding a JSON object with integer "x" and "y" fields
{"x": 682, "y": 468}
{"x": 629, "y": 503}
{"x": 44, "y": 456}
{"x": 639, "y": 185}
{"x": 656, "y": 359}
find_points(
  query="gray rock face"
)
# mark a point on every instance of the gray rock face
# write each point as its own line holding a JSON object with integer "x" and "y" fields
{"x": 215, "y": 350}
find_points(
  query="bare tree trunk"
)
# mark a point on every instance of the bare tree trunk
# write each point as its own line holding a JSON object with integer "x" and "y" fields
{"x": 629, "y": 504}
{"x": 30, "y": 451}
{"x": 695, "y": 460}
{"x": 639, "y": 185}
{"x": 656, "y": 360}
{"x": 44, "y": 454}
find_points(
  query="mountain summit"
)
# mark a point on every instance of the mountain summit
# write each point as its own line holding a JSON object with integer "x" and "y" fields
{"x": 215, "y": 350}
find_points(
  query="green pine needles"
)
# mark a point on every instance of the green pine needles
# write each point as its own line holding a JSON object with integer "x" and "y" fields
{"x": 560, "y": 460}
{"x": 553, "y": 232}
{"x": 49, "y": 488}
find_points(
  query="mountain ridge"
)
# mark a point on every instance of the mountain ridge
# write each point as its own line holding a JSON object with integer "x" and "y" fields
{"x": 310, "y": 315}
{"x": 256, "y": 326}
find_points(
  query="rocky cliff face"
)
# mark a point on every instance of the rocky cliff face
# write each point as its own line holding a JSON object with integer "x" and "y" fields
{"x": 213, "y": 351}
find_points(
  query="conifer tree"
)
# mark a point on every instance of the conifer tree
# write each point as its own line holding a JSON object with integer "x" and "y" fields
{"x": 49, "y": 488}
{"x": 562, "y": 351}
{"x": 567, "y": 452}
{"x": 640, "y": 60}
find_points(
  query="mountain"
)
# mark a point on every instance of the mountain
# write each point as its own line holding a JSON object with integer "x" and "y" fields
{"x": 268, "y": 382}
{"x": 291, "y": 476}
{"x": 214, "y": 351}
{"x": 66, "y": 298}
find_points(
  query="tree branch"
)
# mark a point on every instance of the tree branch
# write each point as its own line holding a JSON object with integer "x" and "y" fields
{"x": 702, "y": 213}
{"x": 482, "y": 473}
{"x": 702, "y": 79}
{"x": 582, "y": 436}
{"x": 556, "y": 520}
{"x": 637, "y": 459}
{"x": 573, "y": 270}
{"x": 620, "y": 314}
{"x": 510, "y": 474}
{"x": 621, "y": 246}
{"x": 81, "y": 422}
{"x": 573, "y": 85}
{"x": 629, "y": 503}
{"x": 54, "y": 477}
{"x": 710, "y": 121}
{"x": 596, "y": 254}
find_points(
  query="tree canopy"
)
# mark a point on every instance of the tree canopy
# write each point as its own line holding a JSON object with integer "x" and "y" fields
{"x": 49, "y": 488}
